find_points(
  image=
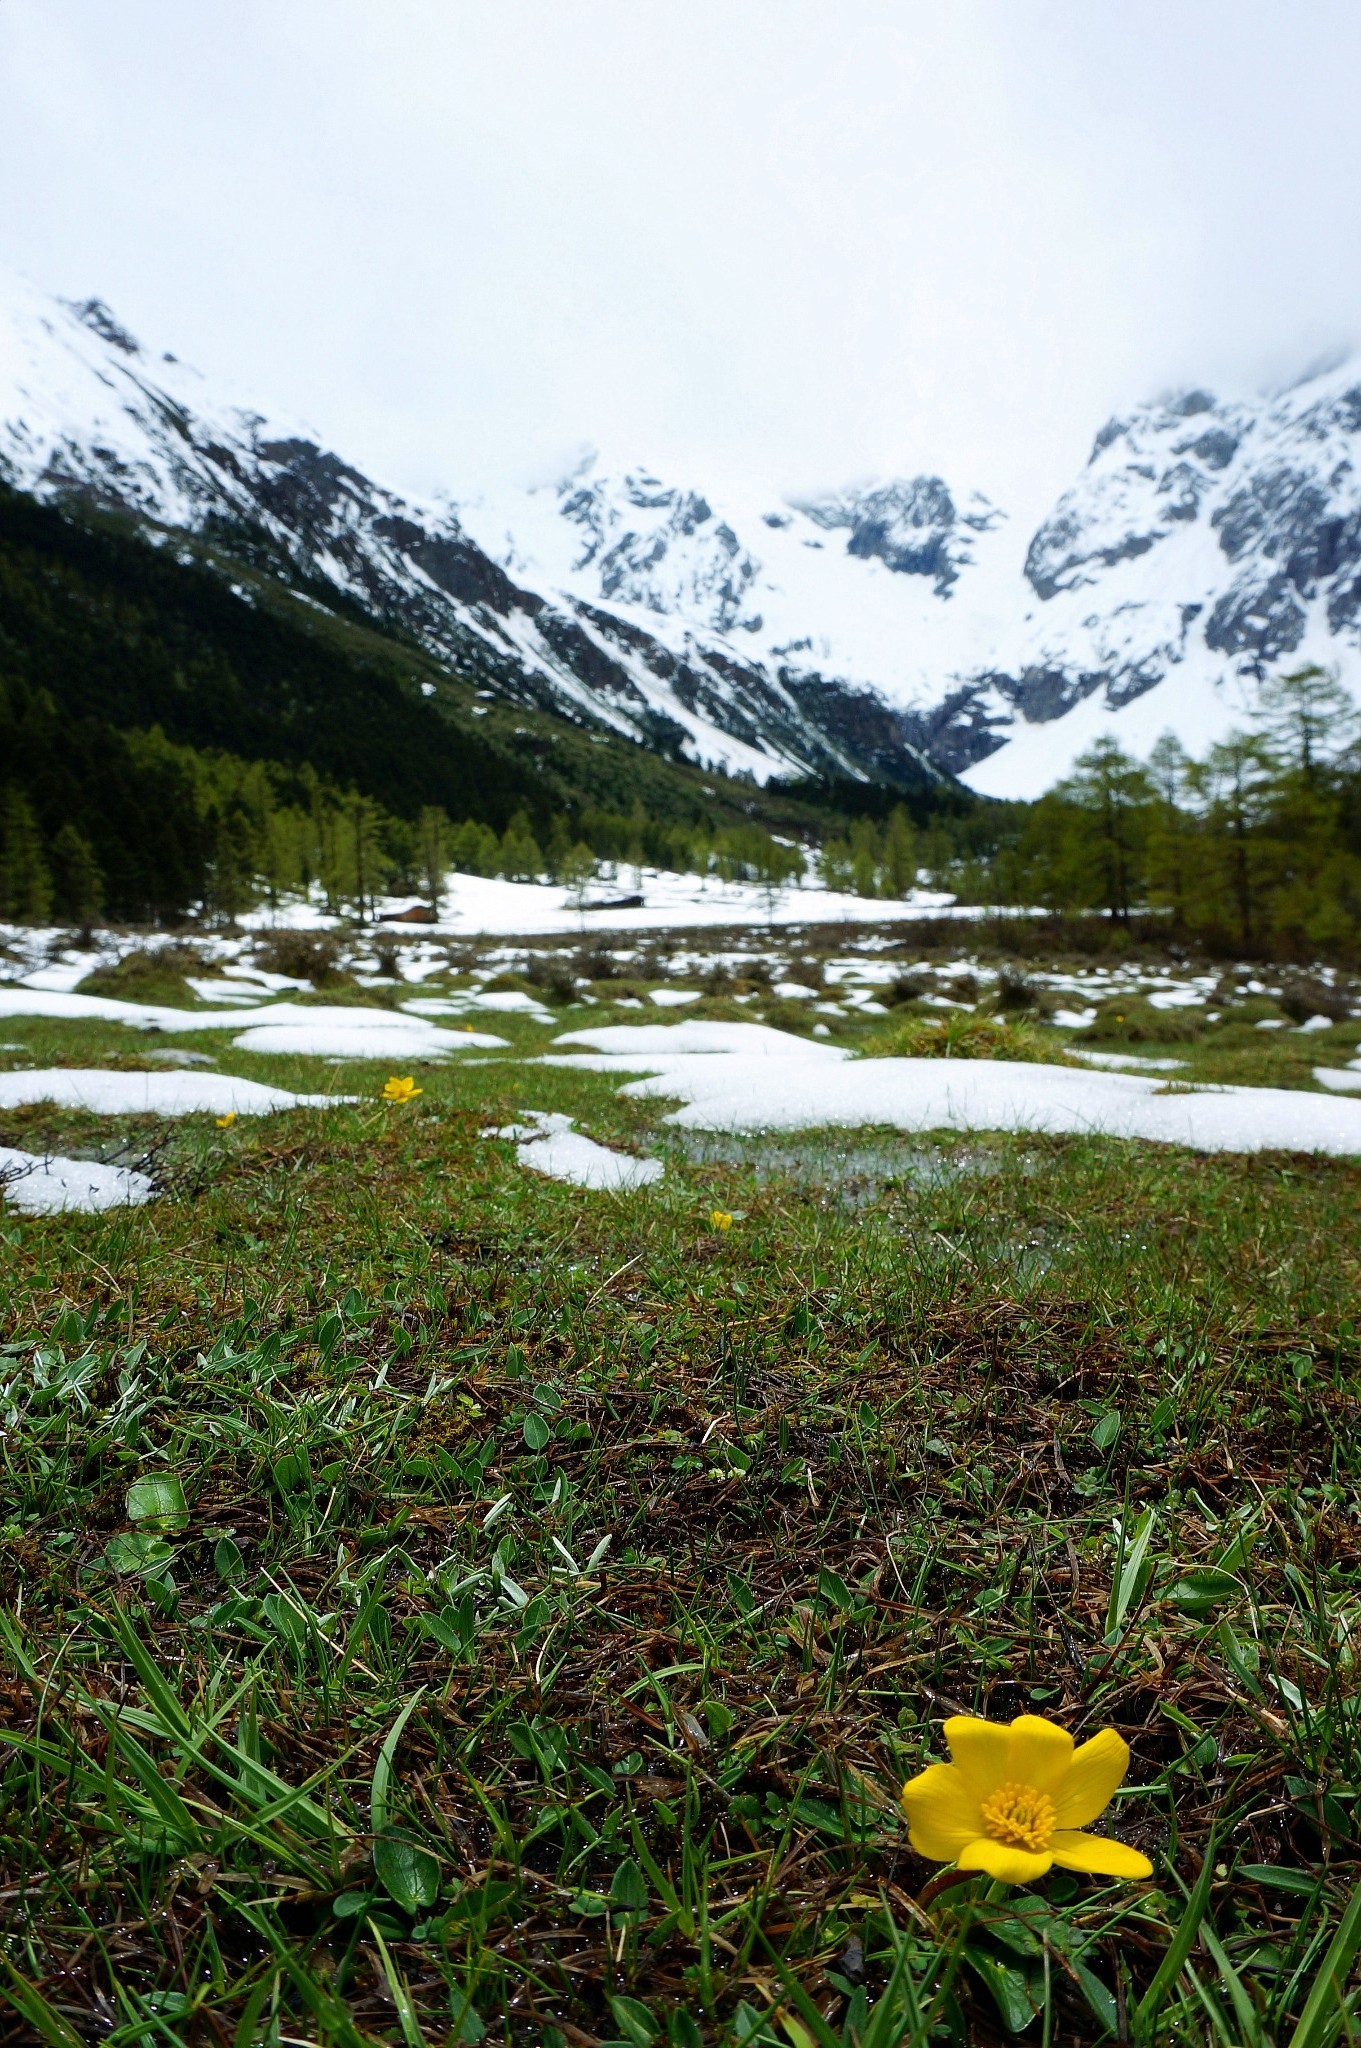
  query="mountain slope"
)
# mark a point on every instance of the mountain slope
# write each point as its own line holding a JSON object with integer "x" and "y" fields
{"x": 87, "y": 414}
{"x": 1206, "y": 541}
{"x": 865, "y": 633}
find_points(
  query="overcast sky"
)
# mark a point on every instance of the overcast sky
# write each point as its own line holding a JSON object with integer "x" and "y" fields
{"x": 807, "y": 239}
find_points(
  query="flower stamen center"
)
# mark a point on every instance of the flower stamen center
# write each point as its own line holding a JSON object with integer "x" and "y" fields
{"x": 1019, "y": 1816}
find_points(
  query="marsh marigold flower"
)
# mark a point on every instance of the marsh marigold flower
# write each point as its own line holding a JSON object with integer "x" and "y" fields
{"x": 224, "y": 1123}
{"x": 720, "y": 1219}
{"x": 1014, "y": 1800}
{"x": 399, "y": 1088}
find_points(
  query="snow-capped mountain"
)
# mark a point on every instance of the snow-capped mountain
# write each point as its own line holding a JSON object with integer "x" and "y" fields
{"x": 87, "y": 414}
{"x": 1206, "y": 542}
{"x": 855, "y": 631}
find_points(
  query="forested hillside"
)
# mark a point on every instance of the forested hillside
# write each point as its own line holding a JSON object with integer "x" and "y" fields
{"x": 170, "y": 735}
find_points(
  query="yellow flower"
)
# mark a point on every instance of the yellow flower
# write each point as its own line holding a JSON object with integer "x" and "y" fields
{"x": 1015, "y": 1800}
{"x": 224, "y": 1123}
{"x": 720, "y": 1219}
{"x": 399, "y": 1088}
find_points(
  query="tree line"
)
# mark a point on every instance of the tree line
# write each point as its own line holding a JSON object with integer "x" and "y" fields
{"x": 1254, "y": 848}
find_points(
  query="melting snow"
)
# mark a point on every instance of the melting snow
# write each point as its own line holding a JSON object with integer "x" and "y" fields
{"x": 548, "y": 1144}
{"x": 42, "y": 1186}
{"x": 742, "y": 1077}
{"x": 321, "y": 1030}
{"x": 115, "y": 1094}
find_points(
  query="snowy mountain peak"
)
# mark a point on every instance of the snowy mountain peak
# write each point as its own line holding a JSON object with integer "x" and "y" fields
{"x": 912, "y": 525}
{"x": 848, "y": 631}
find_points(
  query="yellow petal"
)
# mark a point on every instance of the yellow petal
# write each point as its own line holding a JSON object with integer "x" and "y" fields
{"x": 1096, "y": 1854}
{"x": 1013, "y": 1866}
{"x": 1039, "y": 1752}
{"x": 980, "y": 1749}
{"x": 942, "y": 1812}
{"x": 1092, "y": 1776}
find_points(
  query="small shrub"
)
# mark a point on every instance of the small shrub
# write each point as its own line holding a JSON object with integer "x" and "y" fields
{"x": 303, "y": 956}
{"x": 1014, "y": 992}
{"x": 960, "y": 1037}
{"x": 1130, "y": 1020}
{"x": 551, "y": 975}
{"x": 150, "y": 975}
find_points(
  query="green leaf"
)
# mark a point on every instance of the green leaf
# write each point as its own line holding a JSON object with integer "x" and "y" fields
{"x": 628, "y": 1891}
{"x": 129, "y": 1554}
{"x": 634, "y": 2022}
{"x": 159, "y": 1503}
{"x": 536, "y": 1432}
{"x": 292, "y": 1473}
{"x": 1012, "y": 1991}
{"x": 1324, "y": 2006}
{"x": 408, "y": 1874}
{"x": 453, "y": 1627}
{"x": 228, "y": 1562}
{"x": 1183, "y": 1940}
{"x": 1199, "y": 1592}
{"x": 381, "y": 1788}
{"x": 833, "y": 1589}
{"x": 1107, "y": 1429}
{"x": 1134, "y": 1569}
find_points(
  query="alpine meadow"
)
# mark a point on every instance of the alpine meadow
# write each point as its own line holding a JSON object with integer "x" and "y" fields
{"x": 680, "y": 1114}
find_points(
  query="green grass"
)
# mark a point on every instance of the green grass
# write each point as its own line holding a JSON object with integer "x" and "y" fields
{"x": 442, "y": 1602}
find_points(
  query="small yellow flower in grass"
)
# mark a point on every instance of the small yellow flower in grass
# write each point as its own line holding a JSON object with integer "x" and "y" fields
{"x": 224, "y": 1123}
{"x": 1014, "y": 1800}
{"x": 720, "y": 1219}
{"x": 399, "y": 1088}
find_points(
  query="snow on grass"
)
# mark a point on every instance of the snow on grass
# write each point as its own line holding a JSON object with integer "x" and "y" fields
{"x": 727, "y": 1081}
{"x": 332, "y": 1032}
{"x": 1126, "y": 1059}
{"x": 42, "y": 1186}
{"x": 318, "y": 1030}
{"x": 174, "y": 1094}
{"x": 547, "y": 1143}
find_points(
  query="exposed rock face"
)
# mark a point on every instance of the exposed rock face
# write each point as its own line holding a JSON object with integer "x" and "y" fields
{"x": 911, "y": 526}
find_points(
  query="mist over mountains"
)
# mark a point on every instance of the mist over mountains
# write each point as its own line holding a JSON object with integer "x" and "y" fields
{"x": 892, "y": 630}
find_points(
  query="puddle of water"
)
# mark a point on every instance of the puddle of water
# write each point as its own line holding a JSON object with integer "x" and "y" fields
{"x": 857, "y": 1174}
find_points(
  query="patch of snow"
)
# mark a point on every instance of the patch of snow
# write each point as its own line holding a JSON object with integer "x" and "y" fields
{"x": 1316, "y": 1024}
{"x": 1125, "y": 1059}
{"x": 320, "y": 1030}
{"x": 788, "y": 1084}
{"x": 548, "y": 1144}
{"x": 46, "y": 1185}
{"x": 1342, "y": 1080}
{"x": 114, "y": 1094}
{"x": 675, "y": 998}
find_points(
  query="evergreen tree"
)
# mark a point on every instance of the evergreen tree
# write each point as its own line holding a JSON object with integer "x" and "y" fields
{"x": 521, "y": 860}
{"x": 79, "y": 882}
{"x": 864, "y": 844}
{"x": 1307, "y": 718}
{"x": 900, "y": 854}
{"x": 1110, "y": 794}
{"x": 25, "y": 883}
{"x": 433, "y": 838}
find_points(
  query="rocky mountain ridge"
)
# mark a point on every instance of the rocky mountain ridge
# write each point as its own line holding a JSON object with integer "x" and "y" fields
{"x": 860, "y": 631}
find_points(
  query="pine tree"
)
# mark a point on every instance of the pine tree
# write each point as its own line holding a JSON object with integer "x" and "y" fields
{"x": 25, "y": 883}
{"x": 432, "y": 833}
{"x": 79, "y": 880}
{"x": 521, "y": 860}
{"x": 865, "y": 857}
{"x": 900, "y": 854}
